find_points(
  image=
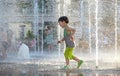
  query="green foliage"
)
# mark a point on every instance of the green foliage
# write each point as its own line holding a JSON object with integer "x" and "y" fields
{"x": 30, "y": 35}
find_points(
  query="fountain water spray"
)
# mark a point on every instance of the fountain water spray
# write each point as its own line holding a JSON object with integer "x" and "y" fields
{"x": 89, "y": 26}
{"x": 23, "y": 52}
{"x": 58, "y": 31}
{"x": 116, "y": 31}
{"x": 36, "y": 22}
{"x": 42, "y": 25}
{"x": 96, "y": 18}
{"x": 82, "y": 14}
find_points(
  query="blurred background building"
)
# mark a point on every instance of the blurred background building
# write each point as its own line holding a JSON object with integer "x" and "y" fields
{"x": 96, "y": 23}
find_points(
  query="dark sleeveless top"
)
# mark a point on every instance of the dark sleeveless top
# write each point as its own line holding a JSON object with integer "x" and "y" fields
{"x": 67, "y": 38}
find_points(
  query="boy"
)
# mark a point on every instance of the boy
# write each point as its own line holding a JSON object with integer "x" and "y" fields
{"x": 69, "y": 41}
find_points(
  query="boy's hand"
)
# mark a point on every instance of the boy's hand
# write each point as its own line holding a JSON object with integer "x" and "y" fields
{"x": 59, "y": 42}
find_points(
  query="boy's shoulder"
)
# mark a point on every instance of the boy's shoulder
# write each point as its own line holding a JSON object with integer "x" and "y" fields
{"x": 68, "y": 27}
{"x": 71, "y": 27}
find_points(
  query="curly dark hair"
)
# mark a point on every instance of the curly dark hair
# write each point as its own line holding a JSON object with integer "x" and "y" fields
{"x": 63, "y": 18}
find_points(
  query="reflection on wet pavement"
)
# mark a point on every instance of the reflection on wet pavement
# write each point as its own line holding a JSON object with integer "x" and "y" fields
{"x": 15, "y": 69}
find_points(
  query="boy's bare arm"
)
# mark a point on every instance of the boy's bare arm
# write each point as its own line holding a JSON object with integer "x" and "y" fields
{"x": 72, "y": 31}
{"x": 61, "y": 40}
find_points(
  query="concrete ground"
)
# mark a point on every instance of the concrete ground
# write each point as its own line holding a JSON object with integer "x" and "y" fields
{"x": 41, "y": 65}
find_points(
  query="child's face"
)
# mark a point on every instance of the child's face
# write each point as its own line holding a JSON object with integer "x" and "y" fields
{"x": 62, "y": 24}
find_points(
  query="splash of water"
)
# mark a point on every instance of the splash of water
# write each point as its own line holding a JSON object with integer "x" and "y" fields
{"x": 42, "y": 25}
{"x": 58, "y": 31}
{"x": 23, "y": 52}
{"x": 115, "y": 29}
{"x": 96, "y": 17}
{"x": 89, "y": 28}
{"x": 35, "y": 20}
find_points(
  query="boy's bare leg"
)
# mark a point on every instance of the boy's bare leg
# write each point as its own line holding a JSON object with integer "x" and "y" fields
{"x": 79, "y": 61}
{"x": 76, "y": 59}
{"x": 67, "y": 61}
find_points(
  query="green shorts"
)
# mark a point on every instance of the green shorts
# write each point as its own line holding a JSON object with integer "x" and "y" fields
{"x": 69, "y": 53}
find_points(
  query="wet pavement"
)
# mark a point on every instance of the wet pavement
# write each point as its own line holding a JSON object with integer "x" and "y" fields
{"x": 47, "y": 70}
{"x": 48, "y": 66}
